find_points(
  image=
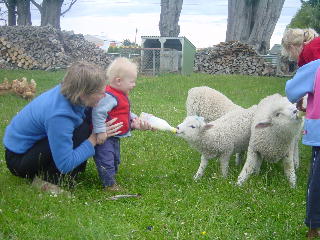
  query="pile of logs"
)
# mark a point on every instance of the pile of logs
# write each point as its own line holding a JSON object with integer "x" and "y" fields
{"x": 46, "y": 48}
{"x": 20, "y": 87}
{"x": 232, "y": 58}
{"x": 15, "y": 55}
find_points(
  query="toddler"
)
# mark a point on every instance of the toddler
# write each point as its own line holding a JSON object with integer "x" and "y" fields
{"x": 121, "y": 74}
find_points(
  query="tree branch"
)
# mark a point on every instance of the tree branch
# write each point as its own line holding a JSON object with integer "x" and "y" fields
{"x": 37, "y": 5}
{"x": 70, "y": 5}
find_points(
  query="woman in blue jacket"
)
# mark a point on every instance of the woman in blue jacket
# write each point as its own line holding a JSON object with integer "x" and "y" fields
{"x": 49, "y": 137}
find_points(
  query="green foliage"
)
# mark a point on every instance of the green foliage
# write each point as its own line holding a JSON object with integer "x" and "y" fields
{"x": 128, "y": 43}
{"x": 160, "y": 167}
{"x": 112, "y": 49}
{"x": 308, "y": 16}
{"x": 312, "y": 3}
{"x": 122, "y": 50}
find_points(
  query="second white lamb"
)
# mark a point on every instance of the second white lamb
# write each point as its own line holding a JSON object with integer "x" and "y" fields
{"x": 274, "y": 135}
{"x": 220, "y": 138}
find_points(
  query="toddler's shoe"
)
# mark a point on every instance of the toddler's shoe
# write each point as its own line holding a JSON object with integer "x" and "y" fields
{"x": 313, "y": 233}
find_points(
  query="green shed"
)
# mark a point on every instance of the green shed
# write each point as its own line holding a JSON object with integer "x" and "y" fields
{"x": 167, "y": 54}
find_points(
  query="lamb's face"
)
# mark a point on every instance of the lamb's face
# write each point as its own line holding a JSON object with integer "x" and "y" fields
{"x": 286, "y": 114}
{"x": 190, "y": 127}
{"x": 282, "y": 115}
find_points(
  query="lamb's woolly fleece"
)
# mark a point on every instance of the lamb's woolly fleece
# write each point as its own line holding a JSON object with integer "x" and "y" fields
{"x": 274, "y": 133}
{"x": 208, "y": 103}
{"x": 220, "y": 138}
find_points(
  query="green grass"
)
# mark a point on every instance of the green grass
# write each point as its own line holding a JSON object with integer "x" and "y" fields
{"x": 160, "y": 167}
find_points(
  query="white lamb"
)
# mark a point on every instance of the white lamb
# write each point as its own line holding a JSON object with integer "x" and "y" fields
{"x": 220, "y": 138}
{"x": 208, "y": 103}
{"x": 273, "y": 137}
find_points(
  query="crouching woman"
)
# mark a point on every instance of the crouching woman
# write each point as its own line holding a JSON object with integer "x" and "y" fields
{"x": 50, "y": 137}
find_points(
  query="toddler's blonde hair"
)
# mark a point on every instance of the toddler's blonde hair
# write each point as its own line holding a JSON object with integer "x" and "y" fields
{"x": 120, "y": 68}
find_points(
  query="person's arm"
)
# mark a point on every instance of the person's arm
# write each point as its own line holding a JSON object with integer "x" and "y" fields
{"x": 60, "y": 132}
{"x": 100, "y": 113}
{"x": 302, "y": 82}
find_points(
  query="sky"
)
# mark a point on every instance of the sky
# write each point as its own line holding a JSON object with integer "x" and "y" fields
{"x": 203, "y": 22}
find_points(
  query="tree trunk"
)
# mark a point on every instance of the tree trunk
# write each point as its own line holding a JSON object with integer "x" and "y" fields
{"x": 11, "y": 5}
{"x": 50, "y": 14}
{"x": 23, "y": 11}
{"x": 253, "y": 22}
{"x": 169, "y": 18}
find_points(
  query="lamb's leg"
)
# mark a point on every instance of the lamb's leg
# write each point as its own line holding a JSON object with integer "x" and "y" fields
{"x": 238, "y": 159}
{"x": 251, "y": 165}
{"x": 202, "y": 167}
{"x": 224, "y": 163}
{"x": 288, "y": 165}
{"x": 258, "y": 164}
{"x": 296, "y": 157}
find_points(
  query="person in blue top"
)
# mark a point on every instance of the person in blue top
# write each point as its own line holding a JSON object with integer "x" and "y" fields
{"x": 50, "y": 138}
{"x": 306, "y": 81}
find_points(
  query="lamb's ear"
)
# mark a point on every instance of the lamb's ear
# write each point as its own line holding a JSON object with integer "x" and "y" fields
{"x": 263, "y": 124}
{"x": 207, "y": 126}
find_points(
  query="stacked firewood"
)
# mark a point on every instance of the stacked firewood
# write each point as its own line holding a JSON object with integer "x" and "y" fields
{"x": 20, "y": 87}
{"x": 77, "y": 47}
{"x": 232, "y": 58}
{"x": 33, "y": 47}
{"x": 15, "y": 55}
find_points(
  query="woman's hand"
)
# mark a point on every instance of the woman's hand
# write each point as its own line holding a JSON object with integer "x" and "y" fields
{"x": 93, "y": 139}
{"x": 101, "y": 137}
{"x": 112, "y": 129}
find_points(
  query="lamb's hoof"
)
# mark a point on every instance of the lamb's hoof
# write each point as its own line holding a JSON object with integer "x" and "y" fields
{"x": 196, "y": 177}
{"x": 239, "y": 184}
{"x": 292, "y": 185}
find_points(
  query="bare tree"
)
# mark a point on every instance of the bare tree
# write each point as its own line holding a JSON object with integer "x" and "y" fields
{"x": 253, "y": 21}
{"x": 12, "y": 17}
{"x": 169, "y": 18}
{"x": 51, "y": 10}
{"x": 18, "y": 12}
{"x": 23, "y": 12}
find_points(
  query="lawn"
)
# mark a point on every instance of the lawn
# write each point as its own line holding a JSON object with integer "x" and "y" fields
{"x": 160, "y": 167}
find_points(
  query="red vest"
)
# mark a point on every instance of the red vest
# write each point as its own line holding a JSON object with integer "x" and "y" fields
{"x": 121, "y": 111}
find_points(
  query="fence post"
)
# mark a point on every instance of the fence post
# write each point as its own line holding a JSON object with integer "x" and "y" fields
{"x": 153, "y": 62}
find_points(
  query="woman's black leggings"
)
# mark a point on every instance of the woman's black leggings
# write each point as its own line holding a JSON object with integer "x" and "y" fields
{"x": 38, "y": 161}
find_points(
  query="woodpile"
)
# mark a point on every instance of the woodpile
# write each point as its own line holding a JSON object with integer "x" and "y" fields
{"x": 232, "y": 58}
{"x": 46, "y": 48}
{"x": 15, "y": 55}
{"x": 20, "y": 87}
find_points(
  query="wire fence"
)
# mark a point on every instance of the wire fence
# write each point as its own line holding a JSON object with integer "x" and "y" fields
{"x": 148, "y": 60}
